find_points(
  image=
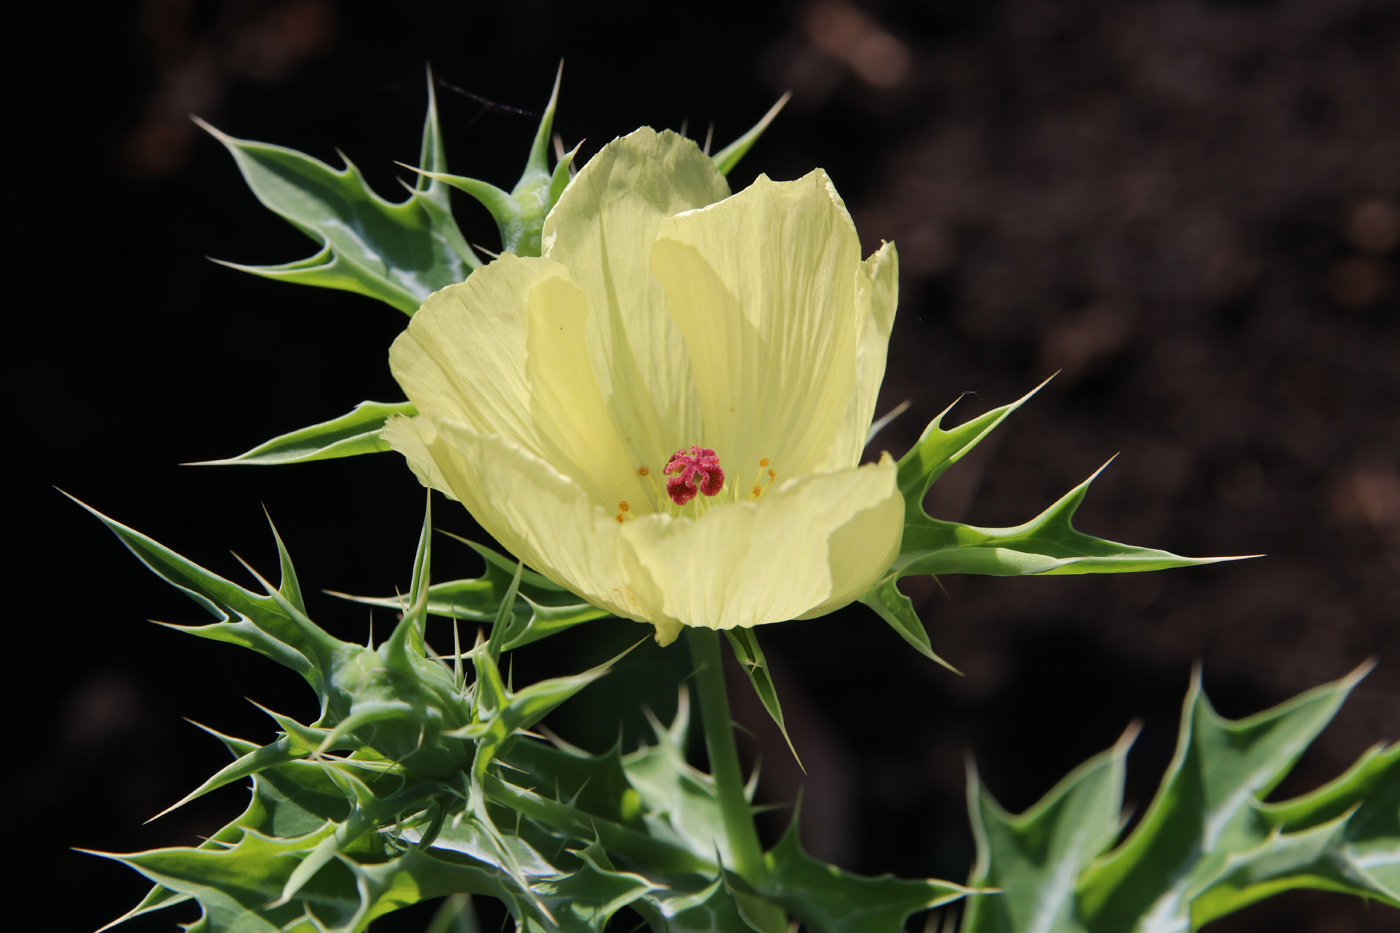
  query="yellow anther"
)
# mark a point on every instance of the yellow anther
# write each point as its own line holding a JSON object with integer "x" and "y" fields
{"x": 757, "y": 491}
{"x": 619, "y": 518}
{"x": 643, "y": 471}
{"x": 623, "y": 506}
{"x": 763, "y": 462}
{"x": 772, "y": 476}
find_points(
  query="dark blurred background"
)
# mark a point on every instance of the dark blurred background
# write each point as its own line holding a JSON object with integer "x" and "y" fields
{"x": 1190, "y": 208}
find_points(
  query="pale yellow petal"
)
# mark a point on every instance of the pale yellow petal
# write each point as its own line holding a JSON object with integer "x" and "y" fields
{"x": 602, "y": 228}
{"x": 877, "y": 294}
{"x": 410, "y": 437}
{"x": 504, "y": 352}
{"x": 752, "y": 563}
{"x": 861, "y": 551}
{"x": 541, "y": 516}
{"x": 462, "y": 356}
{"x": 763, "y": 286}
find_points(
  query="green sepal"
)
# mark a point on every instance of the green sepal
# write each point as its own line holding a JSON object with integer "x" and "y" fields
{"x": 399, "y": 252}
{"x": 729, "y": 156}
{"x": 352, "y": 434}
{"x": 828, "y": 899}
{"x": 755, "y": 665}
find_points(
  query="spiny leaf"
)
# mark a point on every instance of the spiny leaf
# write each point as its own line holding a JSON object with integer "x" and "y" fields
{"x": 279, "y": 752}
{"x": 937, "y": 449}
{"x": 522, "y": 709}
{"x": 1319, "y": 857}
{"x": 1202, "y": 811}
{"x": 1207, "y": 845}
{"x": 289, "y": 587}
{"x": 236, "y": 887}
{"x": 679, "y": 802}
{"x": 710, "y": 910}
{"x": 1047, "y": 544}
{"x": 596, "y": 784}
{"x": 399, "y": 252}
{"x": 898, "y": 610}
{"x": 755, "y": 665}
{"x": 660, "y": 855}
{"x": 1034, "y": 859}
{"x": 729, "y": 156}
{"x": 586, "y": 900}
{"x": 262, "y": 623}
{"x": 352, "y": 434}
{"x": 829, "y": 900}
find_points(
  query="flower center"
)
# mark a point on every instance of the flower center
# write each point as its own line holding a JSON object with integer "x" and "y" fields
{"x": 686, "y": 467}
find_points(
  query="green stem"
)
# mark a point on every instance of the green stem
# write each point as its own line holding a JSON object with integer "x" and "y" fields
{"x": 744, "y": 847}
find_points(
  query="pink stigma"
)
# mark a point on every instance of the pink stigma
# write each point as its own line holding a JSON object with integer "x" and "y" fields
{"x": 699, "y": 461}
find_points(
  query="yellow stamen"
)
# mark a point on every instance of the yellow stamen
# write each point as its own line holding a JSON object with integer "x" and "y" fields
{"x": 758, "y": 477}
{"x": 643, "y": 471}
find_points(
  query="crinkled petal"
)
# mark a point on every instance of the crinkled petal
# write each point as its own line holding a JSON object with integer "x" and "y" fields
{"x": 763, "y": 286}
{"x": 602, "y": 228}
{"x": 877, "y": 294}
{"x": 750, "y": 563}
{"x": 861, "y": 551}
{"x": 537, "y": 513}
{"x": 504, "y": 353}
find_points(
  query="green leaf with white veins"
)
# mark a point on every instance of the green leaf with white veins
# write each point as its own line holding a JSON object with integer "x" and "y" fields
{"x": 1034, "y": 859}
{"x": 1205, "y": 812}
{"x": 398, "y": 252}
{"x": 1047, "y": 544}
{"x": 1206, "y": 846}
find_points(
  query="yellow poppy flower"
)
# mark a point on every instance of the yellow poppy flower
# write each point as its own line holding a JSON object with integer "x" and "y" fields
{"x": 665, "y": 412}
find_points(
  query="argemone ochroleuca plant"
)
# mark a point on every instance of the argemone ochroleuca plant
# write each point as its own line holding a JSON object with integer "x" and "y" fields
{"x": 665, "y": 411}
{"x": 658, "y": 397}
